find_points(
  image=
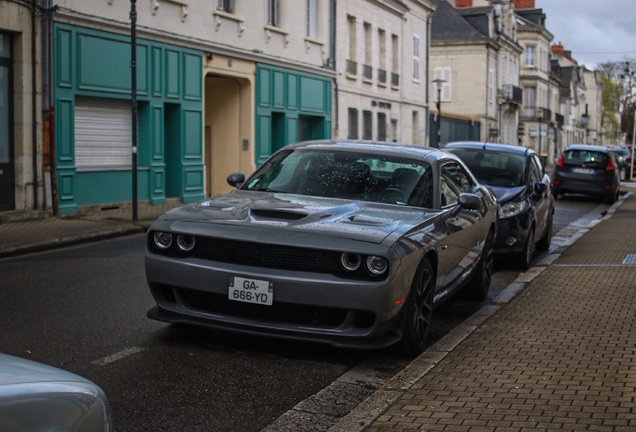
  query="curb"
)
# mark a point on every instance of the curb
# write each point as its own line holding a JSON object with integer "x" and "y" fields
{"x": 309, "y": 415}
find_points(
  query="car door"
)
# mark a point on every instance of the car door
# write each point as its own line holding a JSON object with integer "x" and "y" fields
{"x": 460, "y": 249}
{"x": 540, "y": 200}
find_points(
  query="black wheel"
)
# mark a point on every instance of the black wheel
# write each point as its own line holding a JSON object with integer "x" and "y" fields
{"x": 524, "y": 259}
{"x": 480, "y": 283}
{"x": 419, "y": 311}
{"x": 612, "y": 197}
{"x": 545, "y": 241}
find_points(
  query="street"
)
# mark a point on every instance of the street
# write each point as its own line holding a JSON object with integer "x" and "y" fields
{"x": 84, "y": 309}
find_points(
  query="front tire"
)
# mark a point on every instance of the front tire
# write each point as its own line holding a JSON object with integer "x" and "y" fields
{"x": 419, "y": 311}
{"x": 524, "y": 259}
{"x": 480, "y": 283}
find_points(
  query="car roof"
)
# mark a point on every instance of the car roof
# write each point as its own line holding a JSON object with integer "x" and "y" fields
{"x": 385, "y": 147}
{"x": 523, "y": 151}
{"x": 602, "y": 149}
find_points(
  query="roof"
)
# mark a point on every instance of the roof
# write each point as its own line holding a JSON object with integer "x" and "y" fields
{"x": 602, "y": 149}
{"x": 448, "y": 24}
{"x": 505, "y": 148}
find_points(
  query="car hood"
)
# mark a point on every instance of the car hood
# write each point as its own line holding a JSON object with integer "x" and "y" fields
{"x": 505, "y": 195}
{"x": 277, "y": 213}
{"x": 16, "y": 370}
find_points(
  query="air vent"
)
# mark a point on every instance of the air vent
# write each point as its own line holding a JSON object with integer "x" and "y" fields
{"x": 277, "y": 215}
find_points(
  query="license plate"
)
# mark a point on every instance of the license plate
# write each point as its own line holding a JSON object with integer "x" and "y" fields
{"x": 251, "y": 291}
{"x": 583, "y": 170}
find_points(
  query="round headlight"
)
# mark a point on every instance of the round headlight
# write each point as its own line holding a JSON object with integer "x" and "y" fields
{"x": 377, "y": 265}
{"x": 185, "y": 242}
{"x": 350, "y": 261}
{"x": 163, "y": 240}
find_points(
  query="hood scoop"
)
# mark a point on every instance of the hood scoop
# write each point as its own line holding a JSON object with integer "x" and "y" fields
{"x": 277, "y": 215}
{"x": 364, "y": 220}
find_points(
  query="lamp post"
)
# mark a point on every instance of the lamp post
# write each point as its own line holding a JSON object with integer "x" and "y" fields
{"x": 438, "y": 82}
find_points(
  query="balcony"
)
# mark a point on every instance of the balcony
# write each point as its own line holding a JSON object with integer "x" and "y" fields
{"x": 537, "y": 113}
{"x": 367, "y": 72}
{"x": 585, "y": 120}
{"x": 352, "y": 67}
{"x": 395, "y": 80}
{"x": 559, "y": 119}
{"x": 512, "y": 94}
{"x": 381, "y": 76}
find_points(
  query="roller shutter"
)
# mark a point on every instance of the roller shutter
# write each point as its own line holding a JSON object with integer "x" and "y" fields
{"x": 103, "y": 134}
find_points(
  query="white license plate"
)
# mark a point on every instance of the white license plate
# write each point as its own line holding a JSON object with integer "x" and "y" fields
{"x": 251, "y": 291}
{"x": 583, "y": 170}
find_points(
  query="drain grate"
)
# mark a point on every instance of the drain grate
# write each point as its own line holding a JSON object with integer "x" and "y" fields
{"x": 630, "y": 259}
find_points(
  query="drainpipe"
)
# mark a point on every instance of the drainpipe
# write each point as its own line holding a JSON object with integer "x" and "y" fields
{"x": 487, "y": 131}
{"x": 332, "y": 54}
{"x": 34, "y": 126}
{"x": 428, "y": 76}
{"x": 48, "y": 139}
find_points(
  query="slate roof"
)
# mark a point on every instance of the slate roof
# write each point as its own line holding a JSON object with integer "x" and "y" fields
{"x": 448, "y": 24}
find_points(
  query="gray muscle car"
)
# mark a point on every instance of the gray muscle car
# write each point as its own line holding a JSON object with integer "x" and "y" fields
{"x": 347, "y": 243}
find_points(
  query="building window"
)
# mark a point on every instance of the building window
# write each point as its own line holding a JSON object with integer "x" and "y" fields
{"x": 273, "y": 13}
{"x": 530, "y": 56}
{"x": 311, "y": 19}
{"x": 381, "y": 126}
{"x": 367, "y": 125}
{"x": 529, "y": 95}
{"x": 445, "y": 74}
{"x": 416, "y": 58}
{"x": 353, "y": 124}
{"x": 382, "y": 41}
{"x": 225, "y": 5}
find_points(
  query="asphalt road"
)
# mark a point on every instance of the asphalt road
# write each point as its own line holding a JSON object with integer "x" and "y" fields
{"x": 83, "y": 309}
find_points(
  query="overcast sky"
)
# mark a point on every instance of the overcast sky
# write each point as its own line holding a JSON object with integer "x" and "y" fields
{"x": 596, "y": 31}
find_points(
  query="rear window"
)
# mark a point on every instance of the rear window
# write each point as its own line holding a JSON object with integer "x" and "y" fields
{"x": 584, "y": 156}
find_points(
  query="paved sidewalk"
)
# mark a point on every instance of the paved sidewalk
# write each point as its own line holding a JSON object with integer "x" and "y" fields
{"x": 558, "y": 356}
{"x": 35, "y": 235}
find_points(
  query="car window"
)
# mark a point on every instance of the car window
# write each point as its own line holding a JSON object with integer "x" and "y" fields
{"x": 584, "y": 156}
{"x": 346, "y": 175}
{"x": 494, "y": 168}
{"x": 539, "y": 166}
{"x": 535, "y": 172}
{"x": 454, "y": 181}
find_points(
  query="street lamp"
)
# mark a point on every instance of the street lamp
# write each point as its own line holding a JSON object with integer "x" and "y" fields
{"x": 438, "y": 82}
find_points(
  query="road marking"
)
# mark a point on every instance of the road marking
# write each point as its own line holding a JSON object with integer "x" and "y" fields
{"x": 117, "y": 356}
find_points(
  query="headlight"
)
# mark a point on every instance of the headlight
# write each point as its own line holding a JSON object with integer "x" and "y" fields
{"x": 163, "y": 240}
{"x": 185, "y": 242}
{"x": 377, "y": 265}
{"x": 350, "y": 261}
{"x": 512, "y": 209}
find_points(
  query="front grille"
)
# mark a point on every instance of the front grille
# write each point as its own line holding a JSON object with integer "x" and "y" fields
{"x": 285, "y": 313}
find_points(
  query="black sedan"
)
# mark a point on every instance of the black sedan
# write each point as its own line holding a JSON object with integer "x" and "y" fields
{"x": 522, "y": 186}
{"x": 346, "y": 243}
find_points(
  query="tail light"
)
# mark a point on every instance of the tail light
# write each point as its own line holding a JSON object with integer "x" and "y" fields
{"x": 559, "y": 162}
{"x": 610, "y": 166}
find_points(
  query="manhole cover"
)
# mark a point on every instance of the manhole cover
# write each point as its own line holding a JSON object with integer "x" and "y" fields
{"x": 630, "y": 259}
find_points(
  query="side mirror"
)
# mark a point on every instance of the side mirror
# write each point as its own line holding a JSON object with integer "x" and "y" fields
{"x": 469, "y": 201}
{"x": 540, "y": 188}
{"x": 236, "y": 179}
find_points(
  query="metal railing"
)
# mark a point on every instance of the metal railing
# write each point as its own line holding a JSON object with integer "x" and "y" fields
{"x": 537, "y": 113}
{"x": 367, "y": 71}
{"x": 512, "y": 93}
{"x": 352, "y": 67}
{"x": 395, "y": 79}
{"x": 381, "y": 76}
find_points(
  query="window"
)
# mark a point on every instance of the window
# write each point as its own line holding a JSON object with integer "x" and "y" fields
{"x": 530, "y": 56}
{"x": 382, "y": 42}
{"x": 225, "y": 5}
{"x": 368, "y": 54}
{"x": 491, "y": 86}
{"x": 351, "y": 39}
{"x": 395, "y": 53}
{"x": 353, "y": 124}
{"x": 454, "y": 181}
{"x": 445, "y": 74}
{"x": 381, "y": 127}
{"x": 311, "y": 19}
{"x": 367, "y": 125}
{"x": 416, "y": 58}
{"x": 529, "y": 94}
{"x": 273, "y": 13}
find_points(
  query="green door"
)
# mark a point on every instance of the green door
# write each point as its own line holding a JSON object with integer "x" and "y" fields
{"x": 7, "y": 181}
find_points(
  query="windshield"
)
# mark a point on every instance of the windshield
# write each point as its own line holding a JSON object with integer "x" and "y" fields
{"x": 347, "y": 175}
{"x": 494, "y": 168}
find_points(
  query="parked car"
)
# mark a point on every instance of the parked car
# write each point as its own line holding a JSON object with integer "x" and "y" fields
{"x": 523, "y": 189}
{"x": 351, "y": 244}
{"x": 38, "y": 398}
{"x": 589, "y": 170}
{"x": 622, "y": 156}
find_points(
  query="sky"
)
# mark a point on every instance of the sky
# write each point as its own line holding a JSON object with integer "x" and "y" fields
{"x": 596, "y": 31}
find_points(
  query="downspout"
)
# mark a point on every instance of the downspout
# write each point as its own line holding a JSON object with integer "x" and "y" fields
{"x": 428, "y": 77}
{"x": 487, "y": 128}
{"x": 332, "y": 57}
{"x": 49, "y": 111}
{"x": 34, "y": 126}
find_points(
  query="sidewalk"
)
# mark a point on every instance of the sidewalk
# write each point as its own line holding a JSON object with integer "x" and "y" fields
{"x": 94, "y": 224}
{"x": 556, "y": 352}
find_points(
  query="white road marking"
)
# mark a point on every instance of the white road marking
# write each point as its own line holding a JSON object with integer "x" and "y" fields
{"x": 117, "y": 356}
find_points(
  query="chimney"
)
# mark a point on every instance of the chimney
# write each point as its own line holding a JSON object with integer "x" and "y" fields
{"x": 459, "y": 4}
{"x": 523, "y": 4}
{"x": 557, "y": 49}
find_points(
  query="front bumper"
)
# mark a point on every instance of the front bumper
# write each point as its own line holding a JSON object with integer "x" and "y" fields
{"x": 512, "y": 234}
